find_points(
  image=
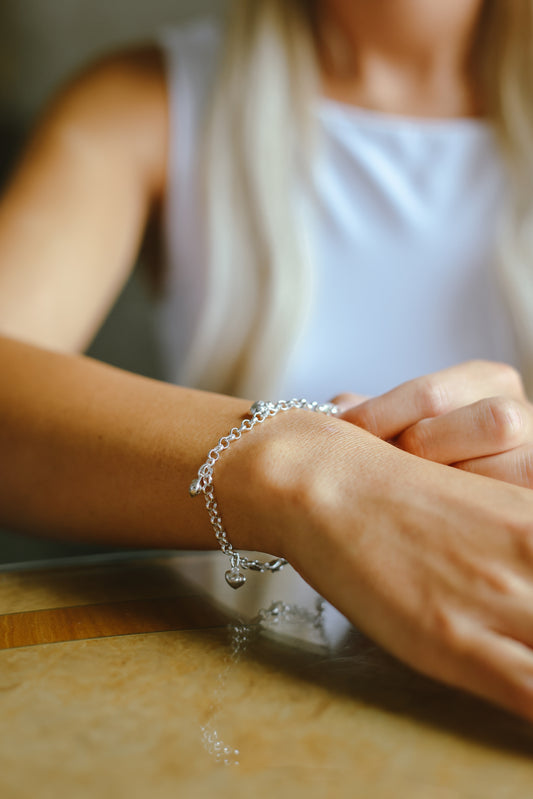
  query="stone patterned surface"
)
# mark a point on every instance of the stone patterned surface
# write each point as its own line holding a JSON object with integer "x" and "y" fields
{"x": 122, "y": 716}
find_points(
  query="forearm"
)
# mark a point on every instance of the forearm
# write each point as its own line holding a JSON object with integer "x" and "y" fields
{"x": 94, "y": 453}
{"x": 433, "y": 563}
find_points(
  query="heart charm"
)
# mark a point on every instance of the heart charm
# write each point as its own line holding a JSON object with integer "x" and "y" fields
{"x": 235, "y": 578}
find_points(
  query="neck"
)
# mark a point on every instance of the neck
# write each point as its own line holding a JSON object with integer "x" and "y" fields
{"x": 401, "y": 56}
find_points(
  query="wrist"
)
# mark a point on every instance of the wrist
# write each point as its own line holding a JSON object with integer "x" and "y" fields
{"x": 279, "y": 480}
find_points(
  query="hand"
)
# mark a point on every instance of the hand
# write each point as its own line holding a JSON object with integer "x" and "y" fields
{"x": 434, "y": 564}
{"x": 474, "y": 416}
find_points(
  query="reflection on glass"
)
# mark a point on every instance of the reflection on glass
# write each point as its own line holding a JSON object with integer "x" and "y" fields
{"x": 278, "y": 616}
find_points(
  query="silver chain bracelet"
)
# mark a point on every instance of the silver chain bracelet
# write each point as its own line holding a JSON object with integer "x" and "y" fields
{"x": 203, "y": 483}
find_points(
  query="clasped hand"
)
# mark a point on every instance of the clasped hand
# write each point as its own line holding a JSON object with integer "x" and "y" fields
{"x": 474, "y": 416}
{"x": 433, "y": 563}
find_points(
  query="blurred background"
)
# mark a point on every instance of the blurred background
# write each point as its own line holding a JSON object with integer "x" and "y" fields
{"x": 42, "y": 42}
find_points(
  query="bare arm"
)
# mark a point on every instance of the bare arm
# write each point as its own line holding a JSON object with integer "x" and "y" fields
{"x": 434, "y": 563}
{"x": 88, "y": 451}
{"x": 72, "y": 219}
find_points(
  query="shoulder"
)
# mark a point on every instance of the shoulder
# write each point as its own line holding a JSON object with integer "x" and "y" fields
{"x": 116, "y": 112}
{"x": 115, "y": 107}
{"x": 122, "y": 103}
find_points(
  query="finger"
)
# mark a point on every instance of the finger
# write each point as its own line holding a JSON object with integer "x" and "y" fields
{"x": 496, "y": 668}
{"x": 433, "y": 395}
{"x": 515, "y": 466}
{"x": 348, "y": 400}
{"x": 473, "y": 656}
{"x": 488, "y": 427}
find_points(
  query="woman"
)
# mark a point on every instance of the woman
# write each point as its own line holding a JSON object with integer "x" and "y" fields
{"x": 433, "y": 562}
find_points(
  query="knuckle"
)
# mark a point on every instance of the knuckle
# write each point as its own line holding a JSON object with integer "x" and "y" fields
{"x": 433, "y": 397}
{"x": 522, "y": 537}
{"x": 501, "y": 582}
{"x": 447, "y": 629}
{"x": 504, "y": 421}
{"x": 417, "y": 440}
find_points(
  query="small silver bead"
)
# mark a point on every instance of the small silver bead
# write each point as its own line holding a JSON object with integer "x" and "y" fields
{"x": 195, "y": 487}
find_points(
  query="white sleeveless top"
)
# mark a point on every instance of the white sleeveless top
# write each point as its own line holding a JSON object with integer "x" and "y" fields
{"x": 402, "y": 234}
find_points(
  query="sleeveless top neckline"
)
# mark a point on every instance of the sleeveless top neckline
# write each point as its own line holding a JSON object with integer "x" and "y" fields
{"x": 403, "y": 233}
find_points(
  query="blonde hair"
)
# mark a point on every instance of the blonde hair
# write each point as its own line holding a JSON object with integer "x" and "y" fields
{"x": 505, "y": 57}
{"x": 257, "y": 160}
{"x": 258, "y": 284}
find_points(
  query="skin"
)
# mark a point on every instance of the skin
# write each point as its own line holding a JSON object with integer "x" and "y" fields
{"x": 474, "y": 416}
{"x": 408, "y": 57}
{"x": 433, "y": 562}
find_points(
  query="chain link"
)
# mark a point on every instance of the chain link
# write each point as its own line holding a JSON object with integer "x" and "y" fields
{"x": 203, "y": 483}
